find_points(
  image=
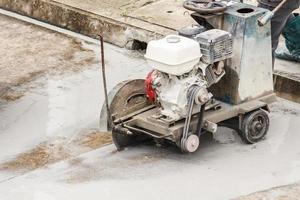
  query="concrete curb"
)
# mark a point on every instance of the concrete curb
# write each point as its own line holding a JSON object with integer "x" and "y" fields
{"x": 84, "y": 22}
{"x": 287, "y": 86}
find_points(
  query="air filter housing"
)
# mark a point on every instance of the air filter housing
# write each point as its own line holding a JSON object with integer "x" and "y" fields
{"x": 215, "y": 45}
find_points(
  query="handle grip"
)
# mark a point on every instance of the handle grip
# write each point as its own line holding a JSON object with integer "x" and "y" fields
{"x": 265, "y": 18}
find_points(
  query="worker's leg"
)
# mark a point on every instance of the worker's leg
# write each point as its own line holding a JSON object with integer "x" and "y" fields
{"x": 291, "y": 33}
{"x": 278, "y": 23}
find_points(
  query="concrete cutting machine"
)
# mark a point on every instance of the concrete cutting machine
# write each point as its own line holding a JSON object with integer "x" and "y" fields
{"x": 215, "y": 73}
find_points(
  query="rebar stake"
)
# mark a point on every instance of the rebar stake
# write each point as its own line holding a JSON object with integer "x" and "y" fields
{"x": 104, "y": 77}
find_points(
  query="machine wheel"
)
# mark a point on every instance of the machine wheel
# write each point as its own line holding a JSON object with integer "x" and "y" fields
{"x": 255, "y": 126}
{"x": 125, "y": 98}
{"x": 122, "y": 140}
{"x": 191, "y": 144}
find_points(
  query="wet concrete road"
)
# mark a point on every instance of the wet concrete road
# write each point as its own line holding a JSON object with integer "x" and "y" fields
{"x": 65, "y": 105}
{"x": 223, "y": 168}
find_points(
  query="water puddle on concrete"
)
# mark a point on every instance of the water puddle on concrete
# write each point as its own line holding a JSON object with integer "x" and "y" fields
{"x": 41, "y": 127}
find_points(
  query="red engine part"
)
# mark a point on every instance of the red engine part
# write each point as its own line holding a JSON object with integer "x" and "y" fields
{"x": 151, "y": 95}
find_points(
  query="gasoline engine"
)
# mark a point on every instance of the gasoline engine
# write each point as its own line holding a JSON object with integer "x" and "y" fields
{"x": 184, "y": 68}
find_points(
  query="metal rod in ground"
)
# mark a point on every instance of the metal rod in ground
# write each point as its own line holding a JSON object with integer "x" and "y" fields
{"x": 104, "y": 77}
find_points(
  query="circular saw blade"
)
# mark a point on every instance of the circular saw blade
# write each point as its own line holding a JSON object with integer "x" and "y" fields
{"x": 125, "y": 98}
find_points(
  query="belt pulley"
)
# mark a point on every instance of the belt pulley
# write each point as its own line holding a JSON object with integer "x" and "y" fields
{"x": 189, "y": 141}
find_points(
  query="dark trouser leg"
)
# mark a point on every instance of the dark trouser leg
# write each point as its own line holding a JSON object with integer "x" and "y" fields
{"x": 277, "y": 24}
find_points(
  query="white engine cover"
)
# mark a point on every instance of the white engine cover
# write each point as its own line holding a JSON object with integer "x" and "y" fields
{"x": 173, "y": 54}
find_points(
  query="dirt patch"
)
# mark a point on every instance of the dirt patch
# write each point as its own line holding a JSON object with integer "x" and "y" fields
{"x": 28, "y": 52}
{"x": 93, "y": 139}
{"x": 40, "y": 156}
{"x": 12, "y": 95}
{"x": 56, "y": 150}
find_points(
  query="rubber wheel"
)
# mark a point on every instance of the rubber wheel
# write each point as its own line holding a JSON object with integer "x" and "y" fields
{"x": 121, "y": 140}
{"x": 255, "y": 126}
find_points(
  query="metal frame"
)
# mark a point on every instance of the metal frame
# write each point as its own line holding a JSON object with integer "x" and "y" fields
{"x": 143, "y": 122}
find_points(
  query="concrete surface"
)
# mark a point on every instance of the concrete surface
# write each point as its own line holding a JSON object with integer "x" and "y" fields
{"x": 48, "y": 120}
{"x": 288, "y": 192}
{"x": 57, "y": 101}
{"x": 223, "y": 168}
{"x": 28, "y": 51}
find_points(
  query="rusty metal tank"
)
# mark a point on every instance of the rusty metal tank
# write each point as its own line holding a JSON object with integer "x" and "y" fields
{"x": 249, "y": 73}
